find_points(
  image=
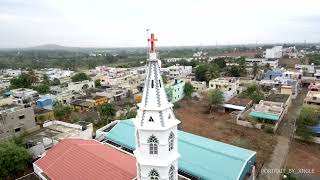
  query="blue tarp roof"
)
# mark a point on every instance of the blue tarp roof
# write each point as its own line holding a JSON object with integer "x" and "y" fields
{"x": 315, "y": 129}
{"x": 200, "y": 157}
{"x": 273, "y": 73}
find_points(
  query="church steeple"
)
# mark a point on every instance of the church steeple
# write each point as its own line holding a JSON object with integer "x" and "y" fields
{"x": 156, "y": 127}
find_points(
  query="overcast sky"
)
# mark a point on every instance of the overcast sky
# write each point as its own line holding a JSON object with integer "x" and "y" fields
{"x": 110, "y": 23}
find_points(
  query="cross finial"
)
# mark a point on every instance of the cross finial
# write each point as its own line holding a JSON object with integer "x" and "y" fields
{"x": 152, "y": 42}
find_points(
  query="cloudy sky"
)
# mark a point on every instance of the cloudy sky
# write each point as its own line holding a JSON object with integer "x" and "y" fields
{"x": 110, "y": 23}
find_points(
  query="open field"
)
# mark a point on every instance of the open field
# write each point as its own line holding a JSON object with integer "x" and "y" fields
{"x": 195, "y": 119}
{"x": 303, "y": 155}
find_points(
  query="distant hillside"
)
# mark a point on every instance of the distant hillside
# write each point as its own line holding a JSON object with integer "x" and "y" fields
{"x": 50, "y": 47}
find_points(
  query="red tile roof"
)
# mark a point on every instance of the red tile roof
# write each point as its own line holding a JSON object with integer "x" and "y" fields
{"x": 87, "y": 159}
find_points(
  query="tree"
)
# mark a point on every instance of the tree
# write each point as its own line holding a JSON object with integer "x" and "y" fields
{"x": 45, "y": 79}
{"x": 201, "y": 72}
{"x": 234, "y": 71}
{"x": 106, "y": 110}
{"x": 80, "y": 77}
{"x": 188, "y": 89}
{"x": 221, "y": 62}
{"x": 215, "y": 98}
{"x": 254, "y": 93}
{"x": 164, "y": 79}
{"x": 242, "y": 65}
{"x": 212, "y": 72}
{"x": 255, "y": 69}
{"x": 97, "y": 83}
{"x": 42, "y": 89}
{"x": 308, "y": 117}
{"x": 61, "y": 111}
{"x": 22, "y": 81}
{"x": 14, "y": 159}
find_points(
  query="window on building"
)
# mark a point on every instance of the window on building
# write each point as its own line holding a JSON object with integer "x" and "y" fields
{"x": 171, "y": 141}
{"x": 152, "y": 84}
{"x": 21, "y": 117}
{"x": 172, "y": 173}
{"x": 17, "y": 130}
{"x": 159, "y": 83}
{"x": 151, "y": 119}
{"x": 314, "y": 98}
{"x": 154, "y": 175}
{"x": 153, "y": 145}
{"x": 169, "y": 117}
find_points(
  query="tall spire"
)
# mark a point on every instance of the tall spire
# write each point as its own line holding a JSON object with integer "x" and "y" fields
{"x": 156, "y": 127}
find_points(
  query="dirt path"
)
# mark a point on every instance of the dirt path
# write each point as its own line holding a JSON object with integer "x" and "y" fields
{"x": 286, "y": 127}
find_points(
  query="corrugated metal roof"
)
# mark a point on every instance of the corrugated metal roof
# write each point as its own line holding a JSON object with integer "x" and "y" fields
{"x": 87, "y": 159}
{"x": 200, "y": 157}
{"x": 264, "y": 116}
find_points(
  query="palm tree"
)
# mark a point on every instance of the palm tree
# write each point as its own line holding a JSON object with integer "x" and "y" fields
{"x": 255, "y": 69}
{"x": 212, "y": 72}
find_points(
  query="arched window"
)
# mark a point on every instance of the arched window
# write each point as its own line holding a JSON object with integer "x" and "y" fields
{"x": 172, "y": 173}
{"x": 160, "y": 83}
{"x": 152, "y": 84}
{"x": 171, "y": 141}
{"x": 153, "y": 145}
{"x": 154, "y": 175}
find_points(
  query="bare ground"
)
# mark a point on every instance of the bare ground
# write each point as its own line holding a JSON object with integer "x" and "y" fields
{"x": 304, "y": 155}
{"x": 195, "y": 119}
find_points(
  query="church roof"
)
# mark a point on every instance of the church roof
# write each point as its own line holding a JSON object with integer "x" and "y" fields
{"x": 86, "y": 159}
{"x": 200, "y": 157}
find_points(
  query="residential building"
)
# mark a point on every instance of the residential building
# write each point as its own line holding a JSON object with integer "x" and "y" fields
{"x": 228, "y": 85}
{"x": 55, "y": 131}
{"x": 16, "y": 119}
{"x": 80, "y": 86}
{"x": 55, "y": 73}
{"x": 314, "y": 86}
{"x": 268, "y": 111}
{"x": 25, "y": 94}
{"x": 262, "y": 62}
{"x": 175, "y": 90}
{"x": 237, "y": 104}
{"x": 12, "y": 72}
{"x": 273, "y": 53}
{"x": 312, "y": 98}
{"x": 199, "y": 86}
{"x": 177, "y": 71}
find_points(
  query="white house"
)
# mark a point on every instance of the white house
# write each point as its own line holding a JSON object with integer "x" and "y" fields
{"x": 273, "y": 53}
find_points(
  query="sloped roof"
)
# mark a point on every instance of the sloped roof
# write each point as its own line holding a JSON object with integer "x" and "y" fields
{"x": 87, "y": 159}
{"x": 262, "y": 115}
{"x": 200, "y": 157}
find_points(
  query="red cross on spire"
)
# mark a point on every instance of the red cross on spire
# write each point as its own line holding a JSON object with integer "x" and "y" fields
{"x": 152, "y": 42}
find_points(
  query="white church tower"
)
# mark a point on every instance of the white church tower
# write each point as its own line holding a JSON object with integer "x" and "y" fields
{"x": 156, "y": 127}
